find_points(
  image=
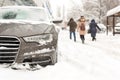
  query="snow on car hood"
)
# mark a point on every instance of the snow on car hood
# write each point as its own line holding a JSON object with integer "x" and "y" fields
{"x": 22, "y": 28}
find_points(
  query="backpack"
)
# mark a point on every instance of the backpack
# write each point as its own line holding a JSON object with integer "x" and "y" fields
{"x": 82, "y": 27}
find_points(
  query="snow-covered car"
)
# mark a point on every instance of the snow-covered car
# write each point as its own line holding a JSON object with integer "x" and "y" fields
{"x": 27, "y": 36}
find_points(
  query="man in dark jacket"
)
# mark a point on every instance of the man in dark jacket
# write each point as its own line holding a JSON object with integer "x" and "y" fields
{"x": 93, "y": 29}
{"x": 73, "y": 26}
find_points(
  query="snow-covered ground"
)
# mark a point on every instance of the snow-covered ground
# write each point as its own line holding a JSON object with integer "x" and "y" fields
{"x": 98, "y": 60}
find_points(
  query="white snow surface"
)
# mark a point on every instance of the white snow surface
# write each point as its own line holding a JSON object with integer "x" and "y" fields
{"x": 113, "y": 11}
{"x": 98, "y": 60}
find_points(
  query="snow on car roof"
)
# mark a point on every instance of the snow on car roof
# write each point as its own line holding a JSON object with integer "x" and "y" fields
{"x": 113, "y": 11}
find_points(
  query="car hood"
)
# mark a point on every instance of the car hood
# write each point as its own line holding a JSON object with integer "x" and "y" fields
{"x": 23, "y": 28}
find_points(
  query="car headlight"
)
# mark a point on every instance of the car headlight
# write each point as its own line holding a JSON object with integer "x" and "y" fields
{"x": 41, "y": 39}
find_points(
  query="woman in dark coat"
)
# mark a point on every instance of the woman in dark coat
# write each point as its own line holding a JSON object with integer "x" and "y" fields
{"x": 93, "y": 29}
{"x": 73, "y": 26}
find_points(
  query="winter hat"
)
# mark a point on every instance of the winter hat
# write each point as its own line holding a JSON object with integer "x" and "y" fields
{"x": 93, "y": 20}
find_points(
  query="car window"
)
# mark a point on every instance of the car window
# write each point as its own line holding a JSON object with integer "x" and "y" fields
{"x": 24, "y": 14}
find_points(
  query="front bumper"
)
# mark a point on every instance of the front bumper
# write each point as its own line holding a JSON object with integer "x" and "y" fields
{"x": 16, "y": 50}
{"x": 33, "y": 53}
{"x": 41, "y": 58}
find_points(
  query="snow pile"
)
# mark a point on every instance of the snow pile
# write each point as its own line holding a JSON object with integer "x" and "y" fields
{"x": 113, "y": 11}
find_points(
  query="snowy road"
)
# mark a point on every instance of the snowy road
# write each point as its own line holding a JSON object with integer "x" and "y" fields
{"x": 99, "y": 60}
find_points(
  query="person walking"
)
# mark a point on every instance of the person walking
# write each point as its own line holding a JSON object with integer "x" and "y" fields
{"x": 72, "y": 24}
{"x": 81, "y": 28}
{"x": 93, "y": 29}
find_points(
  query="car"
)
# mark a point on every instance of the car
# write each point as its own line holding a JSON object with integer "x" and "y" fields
{"x": 27, "y": 36}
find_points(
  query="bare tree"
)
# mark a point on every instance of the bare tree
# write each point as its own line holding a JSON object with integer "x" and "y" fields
{"x": 76, "y": 9}
{"x": 101, "y": 7}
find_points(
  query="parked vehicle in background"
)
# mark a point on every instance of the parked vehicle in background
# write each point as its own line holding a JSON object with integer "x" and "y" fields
{"x": 102, "y": 27}
{"x": 117, "y": 27}
{"x": 27, "y": 36}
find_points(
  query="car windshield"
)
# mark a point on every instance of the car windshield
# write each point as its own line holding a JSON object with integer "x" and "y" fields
{"x": 24, "y": 13}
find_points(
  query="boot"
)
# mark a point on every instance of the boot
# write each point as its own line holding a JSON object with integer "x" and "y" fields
{"x": 92, "y": 39}
{"x": 82, "y": 41}
{"x": 95, "y": 39}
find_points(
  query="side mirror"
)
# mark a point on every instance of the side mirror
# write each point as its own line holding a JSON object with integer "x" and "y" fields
{"x": 56, "y": 21}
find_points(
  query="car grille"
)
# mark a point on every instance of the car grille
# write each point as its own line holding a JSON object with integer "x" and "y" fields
{"x": 8, "y": 49}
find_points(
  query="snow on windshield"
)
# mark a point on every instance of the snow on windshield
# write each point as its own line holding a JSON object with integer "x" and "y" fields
{"x": 23, "y": 13}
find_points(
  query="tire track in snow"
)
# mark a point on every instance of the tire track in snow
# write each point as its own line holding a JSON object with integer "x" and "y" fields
{"x": 76, "y": 54}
